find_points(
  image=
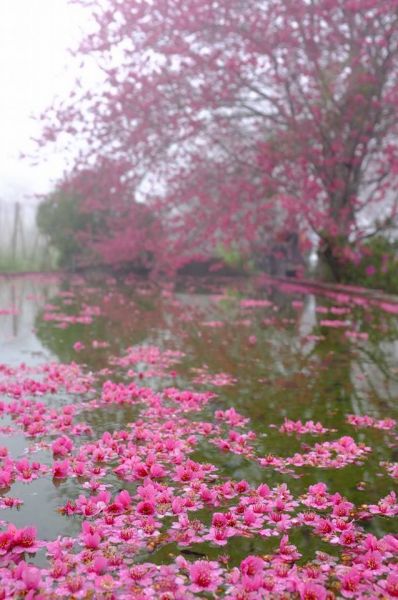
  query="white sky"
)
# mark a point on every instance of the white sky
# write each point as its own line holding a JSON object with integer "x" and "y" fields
{"x": 34, "y": 68}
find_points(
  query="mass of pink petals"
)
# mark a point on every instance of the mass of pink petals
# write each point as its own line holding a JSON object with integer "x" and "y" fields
{"x": 63, "y": 320}
{"x": 300, "y": 428}
{"x": 392, "y": 469}
{"x": 203, "y": 377}
{"x": 357, "y": 335}
{"x": 254, "y": 303}
{"x": 140, "y": 487}
{"x": 326, "y": 455}
{"x": 336, "y": 323}
{"x": 231, "y": 417}
{"x": 9, "y": 311}
{"x": 149, "y": 361}
{"x": 170, "y": 489}
{"x": 363, "y": 421}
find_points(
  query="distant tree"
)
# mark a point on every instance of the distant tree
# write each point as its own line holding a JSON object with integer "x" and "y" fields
{"x": 92, "y": 218}
{"x": 375, "y": 265}
{"x": 60, "y": 220}
{"x": 242, "y": 110}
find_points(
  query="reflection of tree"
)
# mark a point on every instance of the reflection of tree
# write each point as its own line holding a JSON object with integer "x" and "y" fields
{"x": 284, "y": 373}
{"x": 355, "y": 369}
{"x": 110, "y": 417}
{"x": 376, "y": 359}
{"x": 126, "y": 318}
{"x": 331, "y": 359}
{"x": 293, "y": 371}
{"x": 375, "y": 375}
{"x": 358, "y": 378}
{"x": 287, "y": 375}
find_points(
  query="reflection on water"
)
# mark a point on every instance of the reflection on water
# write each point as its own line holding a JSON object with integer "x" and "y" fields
{"x": 20, "y": 301}
{"x": 297, "y": 356}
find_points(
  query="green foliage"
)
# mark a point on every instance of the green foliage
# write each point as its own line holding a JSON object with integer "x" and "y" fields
{"x": 40, "y": 259}
{"x": 60, "y": 219}
{"x": 233, "y": 257}
{"x": 376, "y": 267}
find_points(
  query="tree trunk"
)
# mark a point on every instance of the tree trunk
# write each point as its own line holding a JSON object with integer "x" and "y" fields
{"x": 330, "y": 265}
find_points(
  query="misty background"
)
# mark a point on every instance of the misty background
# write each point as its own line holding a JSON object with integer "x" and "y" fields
{"x": 35, "y": 67}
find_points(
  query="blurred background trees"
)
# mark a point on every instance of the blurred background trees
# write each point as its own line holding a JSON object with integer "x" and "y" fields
{"x": 60, "y": 219}
{"x": 236, "y": 124}
{"x": 92, "y": 220}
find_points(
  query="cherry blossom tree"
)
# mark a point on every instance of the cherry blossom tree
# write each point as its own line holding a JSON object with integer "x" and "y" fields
{"x": 234, "y": 120}
{"x": 93, "y": 219}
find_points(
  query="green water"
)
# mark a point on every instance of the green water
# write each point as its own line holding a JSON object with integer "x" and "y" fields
{"x": 295, "y": 368}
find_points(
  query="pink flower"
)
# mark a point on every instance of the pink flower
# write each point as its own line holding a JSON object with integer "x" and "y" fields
{"x": 100, "y": 565}
{"x": 141, "y": 574}
{"x": 25, "y": 540}
{"x": 59, "y": 569}
{"x": 391, "y": 585}
{"x": 31, "y": 578}
{"x": 350, "y": 583}
{"x": 74, "y": 585}
{"x": 348, "y": 537}
{"x": 251, "y": 566}
{"x": 7, "y": 539}
{"x": 123, "y": 499}
{"x": 92, "y": 540}
{"x": 60, "y": 469}
{"x": 146, "y": 508}
{"x": 288, "y": 552}
{"x": 205, "y": 576}
{"x": 312, "y": 591}
{"x": 219, "y": 535}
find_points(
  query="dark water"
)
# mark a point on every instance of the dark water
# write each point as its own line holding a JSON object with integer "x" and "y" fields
{"x": 282, "y": 362}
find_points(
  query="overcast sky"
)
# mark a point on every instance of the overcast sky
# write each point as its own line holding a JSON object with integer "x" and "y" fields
{"x": 34, "y": 67}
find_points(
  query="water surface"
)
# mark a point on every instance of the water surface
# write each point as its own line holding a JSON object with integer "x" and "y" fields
{"x": 272, "y": 353}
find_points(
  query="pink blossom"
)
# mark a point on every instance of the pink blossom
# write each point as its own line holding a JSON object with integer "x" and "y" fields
{"x": 204, "y": 576}
{"x": 312, "y": 591}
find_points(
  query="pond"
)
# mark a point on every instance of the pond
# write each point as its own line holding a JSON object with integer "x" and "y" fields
{"x": 212, "y": 438}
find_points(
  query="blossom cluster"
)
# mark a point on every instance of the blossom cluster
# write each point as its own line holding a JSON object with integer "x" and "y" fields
{"x": 156, "y": 518}
{"x": 163, "y": 493}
